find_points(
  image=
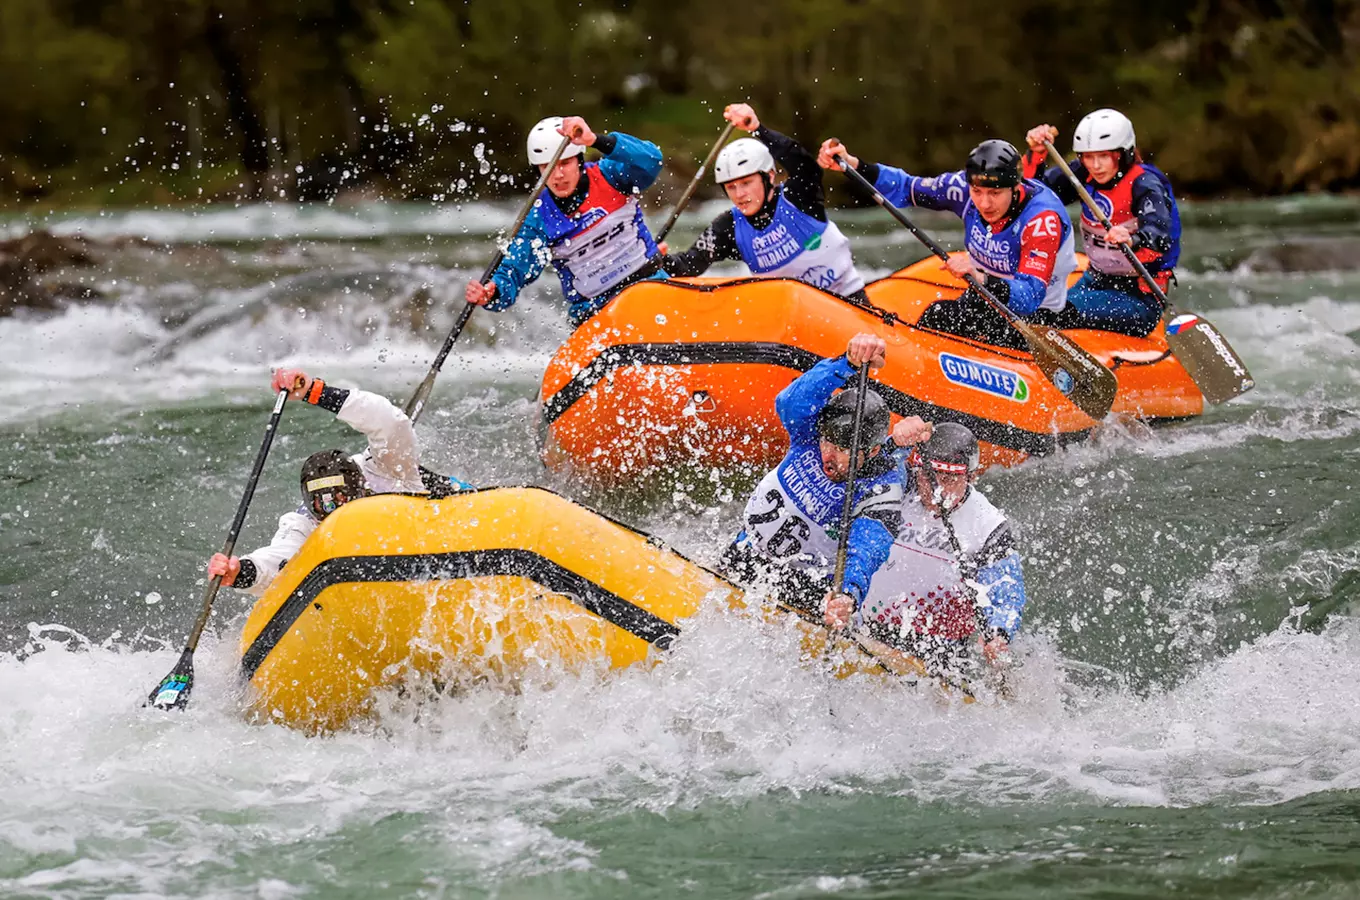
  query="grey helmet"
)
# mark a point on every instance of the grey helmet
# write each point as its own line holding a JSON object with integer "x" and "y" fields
{"x": 951, "y": 448}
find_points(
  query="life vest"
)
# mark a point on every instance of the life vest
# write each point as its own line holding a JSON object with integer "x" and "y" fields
{"x": 600, "y": 245}
{"x": 794, "y": 513}
{"x": 1000, "y": 253}
{"x": 919, "y": 589}
{"x": 797, "y": 245}
{"x": 1116, "y": 202}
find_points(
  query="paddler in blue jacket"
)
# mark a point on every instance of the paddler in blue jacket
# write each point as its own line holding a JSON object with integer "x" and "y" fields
{"x": 778, "y": 230}
{"x": 789, "y": 540}
{"x": 1137, "y": 199}
{"x": 587, "y": 224}
{"x": 1018, "y": 237}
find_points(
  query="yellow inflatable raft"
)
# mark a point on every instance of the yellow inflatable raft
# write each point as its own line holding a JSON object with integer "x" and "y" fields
{"x": 488, "y": 584}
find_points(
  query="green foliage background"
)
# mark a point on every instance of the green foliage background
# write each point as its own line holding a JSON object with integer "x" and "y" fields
{"x": 108, "y": 101}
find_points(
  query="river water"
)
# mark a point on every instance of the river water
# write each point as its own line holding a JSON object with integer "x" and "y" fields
{"x": 1187, "y": 717}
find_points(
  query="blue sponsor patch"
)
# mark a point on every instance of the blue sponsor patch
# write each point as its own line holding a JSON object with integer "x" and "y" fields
{"x": 983, "y": 377}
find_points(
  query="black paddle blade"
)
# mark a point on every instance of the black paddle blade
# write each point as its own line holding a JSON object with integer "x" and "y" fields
{"x": 173, "y": 691}
{"x": 1208, "y": 358}
{"x": 1078, "y": 375}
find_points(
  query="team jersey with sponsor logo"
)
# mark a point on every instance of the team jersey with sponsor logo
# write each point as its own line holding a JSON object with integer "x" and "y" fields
{"x": 793, "y": 517}
{"x": 600, "y": 247}
{"x": 1034, "y": 250}
{"x": 1141, "y": 199}
{"x": 602, "y": 243}
{"x": 796, "y": 245}
{"x": 1143, "y": 191}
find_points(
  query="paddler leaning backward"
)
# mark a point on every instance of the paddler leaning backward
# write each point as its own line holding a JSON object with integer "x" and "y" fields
{"x": 588, "y": 224}
{"x": 331, "y": 478}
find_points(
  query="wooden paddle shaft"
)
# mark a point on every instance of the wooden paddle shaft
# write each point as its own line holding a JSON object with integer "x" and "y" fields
{"x": 694, "y": 184}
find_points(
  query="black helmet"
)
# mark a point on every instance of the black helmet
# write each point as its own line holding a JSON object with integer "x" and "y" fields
{"x": 330, "y": 479}
{"x": 836, "y": 421}
{"x": 993, "y": 163}
{"x": 951, "y": 448}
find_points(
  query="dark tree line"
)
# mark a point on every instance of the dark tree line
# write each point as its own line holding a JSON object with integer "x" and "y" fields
{"x": 135, "y": 100}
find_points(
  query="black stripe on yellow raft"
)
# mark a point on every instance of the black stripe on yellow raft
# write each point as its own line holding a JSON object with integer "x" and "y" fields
{"x": 619, "y": 356}
{"x": 450, "y": 567}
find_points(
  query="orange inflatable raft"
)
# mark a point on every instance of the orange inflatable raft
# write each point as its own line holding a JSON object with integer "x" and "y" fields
{"x": 685, "y": 373}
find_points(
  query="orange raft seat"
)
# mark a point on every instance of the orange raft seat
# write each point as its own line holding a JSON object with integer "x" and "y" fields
{"x": 685, "y": 373}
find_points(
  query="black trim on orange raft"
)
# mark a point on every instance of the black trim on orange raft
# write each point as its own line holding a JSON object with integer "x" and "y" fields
{"x": 449, "y": 567}
{"x": 618, "y": 356}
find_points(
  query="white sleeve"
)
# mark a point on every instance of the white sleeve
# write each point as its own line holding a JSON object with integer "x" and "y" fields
{"x": 294, "y": 528}
{"x": 392, "y": 447}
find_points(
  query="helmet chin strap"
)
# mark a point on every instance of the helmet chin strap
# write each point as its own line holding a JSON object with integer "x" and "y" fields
{"x": 1014, "y": 208}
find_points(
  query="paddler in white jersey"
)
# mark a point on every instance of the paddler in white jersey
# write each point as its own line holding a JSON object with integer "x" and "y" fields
{"x": 953, "y": 576}
{"x": 331, "y": 478}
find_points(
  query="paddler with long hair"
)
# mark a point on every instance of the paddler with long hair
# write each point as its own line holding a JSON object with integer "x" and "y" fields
{"x": 1137, "y": 199}
{"x": 587, "y": 224}
{"x": 788, "y": 542}
{"x": 780, "y": 230}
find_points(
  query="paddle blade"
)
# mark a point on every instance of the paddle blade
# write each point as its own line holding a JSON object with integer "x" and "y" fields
{"x": 417, "y": 402}
{"x": 173, "y": 691}
{"x": 1082, "y": 378}
{"x": 1208, "y": 358}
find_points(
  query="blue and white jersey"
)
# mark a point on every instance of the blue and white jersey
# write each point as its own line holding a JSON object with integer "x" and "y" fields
{"x": 793, "y": 518}
{"x": 797, "y": 245}
{"x": 1035, "y": 251}
{"x": 598, "y": 249}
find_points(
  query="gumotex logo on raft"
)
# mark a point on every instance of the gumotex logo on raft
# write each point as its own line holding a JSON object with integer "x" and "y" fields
{"x": 983, "y": 377}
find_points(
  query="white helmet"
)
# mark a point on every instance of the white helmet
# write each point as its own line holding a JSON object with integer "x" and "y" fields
{"x": 1104, "y": 129}
{"x": 544, "y": 139}
{"x": 742, "y": 157}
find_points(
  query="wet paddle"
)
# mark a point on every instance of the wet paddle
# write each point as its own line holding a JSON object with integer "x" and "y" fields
{"x": 1078, "y": 375}
{"x": 173, "y": 691}
{"x": 416, "y": 404}
{"x": 1208, "y": 358}
{"x": 848, "y": 505}
{"x": 694, "y": 184}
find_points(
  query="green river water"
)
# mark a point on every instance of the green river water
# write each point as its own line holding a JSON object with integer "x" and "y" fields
{"x": 1187, "y": 721}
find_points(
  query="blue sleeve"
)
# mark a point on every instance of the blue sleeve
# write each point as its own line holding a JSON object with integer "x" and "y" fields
{"x": 1153, "y": 209}
{"x": 1027, "y": 294}
{"x": 632, "y": 164}
{"x": 524, "y": 260}
{"x": 1005, "y": 583}
{"x": 799, "y": 403}
{"x": 947, "y": 192}
{"x": 865, "y": 553}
